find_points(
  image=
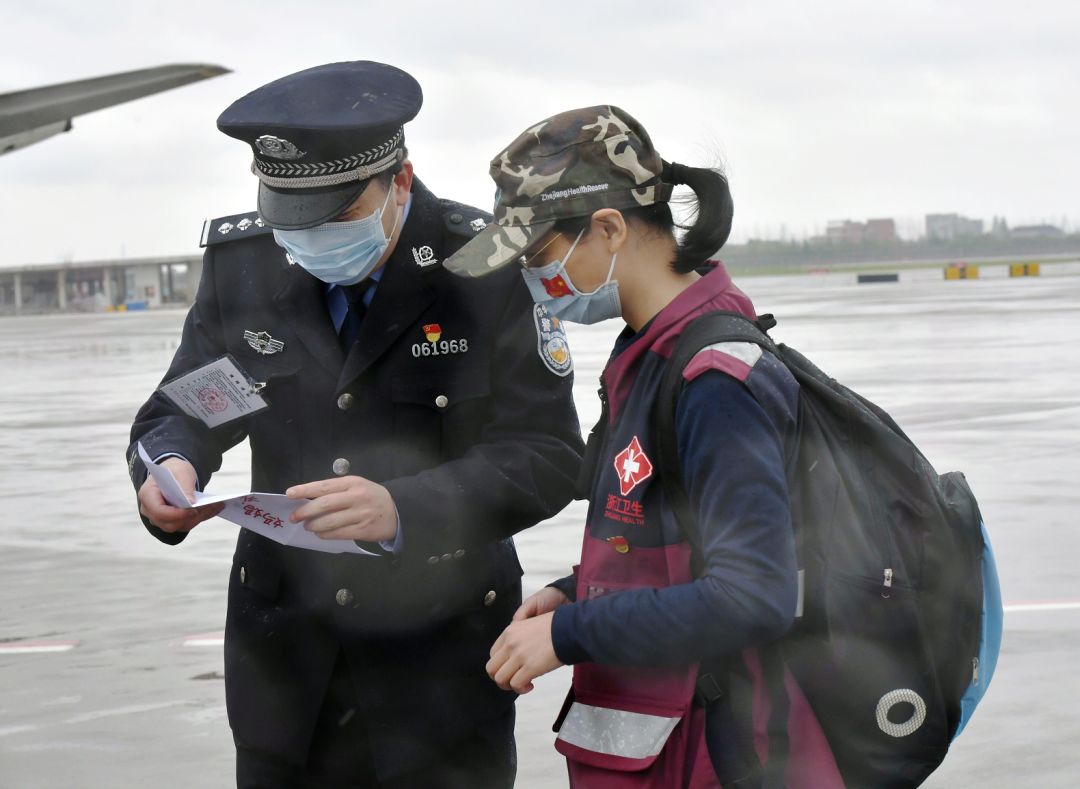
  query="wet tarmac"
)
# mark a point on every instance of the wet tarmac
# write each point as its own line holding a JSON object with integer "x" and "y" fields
{"x": 110, "y": 652}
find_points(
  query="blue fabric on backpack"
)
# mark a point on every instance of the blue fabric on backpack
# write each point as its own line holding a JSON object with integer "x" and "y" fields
{"x": 990, "y": 641}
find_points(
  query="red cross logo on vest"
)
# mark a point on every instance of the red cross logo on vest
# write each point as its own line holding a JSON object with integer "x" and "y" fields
{"x": 632, "y": 467}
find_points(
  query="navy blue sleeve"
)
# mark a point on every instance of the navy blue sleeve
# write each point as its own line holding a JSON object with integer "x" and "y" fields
{"x": 732, "y": 457}
{"x": 566, "y": 585}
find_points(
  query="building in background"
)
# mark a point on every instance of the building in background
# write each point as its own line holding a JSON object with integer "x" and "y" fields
{"x": 1037, "y": 231}
{"x": 99, "y": 286}
{"x": 873, "y": 231}
{"x": 946, "y": 227}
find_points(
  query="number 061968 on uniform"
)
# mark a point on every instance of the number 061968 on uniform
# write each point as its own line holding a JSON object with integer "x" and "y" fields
{"x": 440, "y": 348}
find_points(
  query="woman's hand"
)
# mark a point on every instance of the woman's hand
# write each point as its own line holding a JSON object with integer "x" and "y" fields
{"x": 543, "y": 602}
{"x": 523, "y": 652}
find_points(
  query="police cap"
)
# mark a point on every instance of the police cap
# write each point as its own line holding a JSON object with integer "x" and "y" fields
{"x": 320, "y": 134}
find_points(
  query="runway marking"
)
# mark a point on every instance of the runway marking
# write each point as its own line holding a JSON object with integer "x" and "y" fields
{"x": 36, "y": 647}
{"x": 205, "y": 640}
{"x": 1023, "y": 608}
{"x": 90, "y": 717}
{"x": 8, "y": 730}
{"x": 134, "y": 709}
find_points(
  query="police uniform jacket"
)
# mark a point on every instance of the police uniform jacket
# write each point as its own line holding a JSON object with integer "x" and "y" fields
{"x": 476, "y": 439}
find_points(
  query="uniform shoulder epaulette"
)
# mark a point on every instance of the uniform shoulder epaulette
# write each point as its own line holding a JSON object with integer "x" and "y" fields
{"x": 231, "y": 228}
{"x": 465, "y": 221}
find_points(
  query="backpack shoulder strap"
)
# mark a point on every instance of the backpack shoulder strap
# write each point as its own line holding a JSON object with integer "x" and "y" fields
{"x": 710, "y": 328}
{"x": 733, "y": 740}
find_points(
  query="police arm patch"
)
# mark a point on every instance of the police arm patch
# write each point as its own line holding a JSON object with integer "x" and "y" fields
{"x": 551, "y": 342}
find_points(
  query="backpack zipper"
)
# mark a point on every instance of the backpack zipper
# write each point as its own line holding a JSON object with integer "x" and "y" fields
{"x": 886, "y": 590}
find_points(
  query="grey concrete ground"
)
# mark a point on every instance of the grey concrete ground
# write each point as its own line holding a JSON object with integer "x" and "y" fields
{"x": 983, "y": 374}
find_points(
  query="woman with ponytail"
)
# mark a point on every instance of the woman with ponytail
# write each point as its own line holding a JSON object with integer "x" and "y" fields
{"x": 666, "y": 630}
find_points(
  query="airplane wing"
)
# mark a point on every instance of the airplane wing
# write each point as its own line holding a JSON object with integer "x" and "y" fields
{"x": 28, "y": 116}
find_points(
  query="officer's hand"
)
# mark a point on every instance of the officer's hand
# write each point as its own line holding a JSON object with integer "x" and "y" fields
{"x": 522, "y": 653}
{"x": 346, "y": 508}
{"x": 545, "y": 601}
{"x": 154, "y": 508}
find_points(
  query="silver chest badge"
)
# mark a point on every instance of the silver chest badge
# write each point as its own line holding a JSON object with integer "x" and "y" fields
{"x": 277, "y": 148}
{"x": 263, "y": 342}
{"x": 424, "y": 256}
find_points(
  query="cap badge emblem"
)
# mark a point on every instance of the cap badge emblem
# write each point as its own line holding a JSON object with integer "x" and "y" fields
{"x": 263, "y": 343}
{"x": 424, "y": 256}
{"x": 277, "y": 148}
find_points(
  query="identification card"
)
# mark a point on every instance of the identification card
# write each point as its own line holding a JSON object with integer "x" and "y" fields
{"x": 216, "y": 393}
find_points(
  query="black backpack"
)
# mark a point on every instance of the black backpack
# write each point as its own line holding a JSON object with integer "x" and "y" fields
{"x": 892, "y": 648}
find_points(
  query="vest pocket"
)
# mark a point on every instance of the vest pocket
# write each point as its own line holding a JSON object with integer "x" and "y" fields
{"x": 621, "y": 717}
{"x": 615, "y": 739}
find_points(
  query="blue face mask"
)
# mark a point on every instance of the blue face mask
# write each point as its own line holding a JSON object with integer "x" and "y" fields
{"x": 551, "y": 286}
{"x": 339, "y": 253}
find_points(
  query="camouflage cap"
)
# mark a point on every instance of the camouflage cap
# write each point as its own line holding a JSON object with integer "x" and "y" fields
{"x": 569, "y": 165}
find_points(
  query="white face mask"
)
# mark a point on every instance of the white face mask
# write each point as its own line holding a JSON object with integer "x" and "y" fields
{"x": 340, "y": 253}
{"x": 551, "y": 286}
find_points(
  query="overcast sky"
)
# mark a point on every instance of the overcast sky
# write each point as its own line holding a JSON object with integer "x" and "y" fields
{"x": 819, "y": 109}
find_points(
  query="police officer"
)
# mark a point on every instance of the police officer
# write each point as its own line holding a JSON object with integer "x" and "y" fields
{"x": 419, "y": 421}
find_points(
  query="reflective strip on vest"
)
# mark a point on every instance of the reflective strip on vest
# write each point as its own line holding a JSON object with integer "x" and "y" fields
{"x": 632, "y": 735}
{"x": 746, "y": 352}
{"x": 736, "y": 359}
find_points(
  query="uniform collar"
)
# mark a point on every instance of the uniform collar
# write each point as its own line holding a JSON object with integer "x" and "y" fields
{"x": 403, "y": 293}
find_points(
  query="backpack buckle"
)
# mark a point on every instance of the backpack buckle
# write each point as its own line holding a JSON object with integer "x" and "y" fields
{"x": 707, "y": 690}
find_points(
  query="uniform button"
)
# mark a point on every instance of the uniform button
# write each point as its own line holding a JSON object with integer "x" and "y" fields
{"x": 459, "y": 553}
{"x": 456, "y": 218}
{"x": 341, "y": 467}
{"x": 345, "y": 401}
{"x": 489, "y": 598}
{"x": 243, "y": 575}
{"x": 433, "y": 560}
{"x": 441, "y": 401}
{"x": 343, "y": 597}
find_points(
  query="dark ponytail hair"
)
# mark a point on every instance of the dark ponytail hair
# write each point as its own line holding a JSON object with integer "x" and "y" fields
{"x": 710, "y": 216}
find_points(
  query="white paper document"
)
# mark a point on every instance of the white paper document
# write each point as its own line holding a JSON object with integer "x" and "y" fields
{"x": 265, "y": 513}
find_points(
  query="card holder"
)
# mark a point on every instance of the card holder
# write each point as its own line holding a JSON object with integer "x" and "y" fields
{"x": 217, "y": 393}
